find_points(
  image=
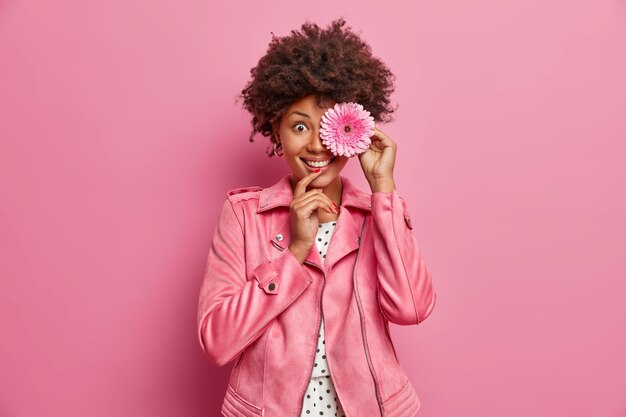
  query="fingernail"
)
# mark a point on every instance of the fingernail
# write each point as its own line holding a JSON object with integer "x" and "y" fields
{"x": 318, "y": 170}
{"x": 335, "y": 205}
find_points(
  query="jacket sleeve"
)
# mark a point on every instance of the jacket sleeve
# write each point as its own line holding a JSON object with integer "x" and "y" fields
{"x": 232, "y": 310}
{"x": 405, "y": 292}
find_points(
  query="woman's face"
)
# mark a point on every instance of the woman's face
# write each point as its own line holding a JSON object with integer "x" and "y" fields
{"x": 299, "y": 133}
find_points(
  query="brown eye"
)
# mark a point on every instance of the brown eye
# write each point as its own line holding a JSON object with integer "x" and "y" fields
{"x": 300, "y": 127}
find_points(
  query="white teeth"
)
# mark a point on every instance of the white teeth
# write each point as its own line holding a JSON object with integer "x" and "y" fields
{"x": 317, "y": 164}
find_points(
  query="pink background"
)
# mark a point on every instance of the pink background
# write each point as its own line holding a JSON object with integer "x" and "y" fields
{"x": 120, "y": 136}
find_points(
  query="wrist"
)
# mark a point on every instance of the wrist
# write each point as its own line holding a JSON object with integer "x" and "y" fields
{"x": 385, "y": 185}
{"x": 298, "y": 252}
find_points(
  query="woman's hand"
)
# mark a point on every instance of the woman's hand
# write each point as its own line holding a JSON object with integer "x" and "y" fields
{"x": 303, "y": 215}
{"x": 378, "y": 162}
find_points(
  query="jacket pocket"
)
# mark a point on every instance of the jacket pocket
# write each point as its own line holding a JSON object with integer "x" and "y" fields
{"x": 403, "y": 403}
{"x": 236, "y": 406}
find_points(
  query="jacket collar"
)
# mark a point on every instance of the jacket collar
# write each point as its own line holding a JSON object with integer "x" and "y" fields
{"x": 280, "y": 194}
{"x": 347, "y": 231}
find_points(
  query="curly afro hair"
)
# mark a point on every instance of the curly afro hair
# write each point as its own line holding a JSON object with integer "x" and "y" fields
{"x": 329, "y": 63}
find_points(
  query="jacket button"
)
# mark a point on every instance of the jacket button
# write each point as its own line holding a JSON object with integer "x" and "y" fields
{"x": 279, "y": 237}
{"x": 271, "y": 286}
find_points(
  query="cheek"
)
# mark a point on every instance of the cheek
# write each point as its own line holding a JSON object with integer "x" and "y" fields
{"x": 293, "y": 144}
{"x": 342, "y": 162}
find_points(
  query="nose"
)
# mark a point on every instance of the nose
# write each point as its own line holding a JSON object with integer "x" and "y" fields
{"x": 315, "y": 145}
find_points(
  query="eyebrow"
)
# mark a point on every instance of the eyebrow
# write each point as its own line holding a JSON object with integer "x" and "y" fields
{"x": 300, "y": 113}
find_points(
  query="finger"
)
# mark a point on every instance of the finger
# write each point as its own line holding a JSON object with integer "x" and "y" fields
{"x": 311, "y": 206}
{"x": 326, "y": 198}
{"x": 297, "y": 201}
{"x": 326, "y": 202}
{"x": 306, "y": 195}
{"x": 380, "y": 135}
{"x": 381, "y": 140}
{"x": 304, "y": 182}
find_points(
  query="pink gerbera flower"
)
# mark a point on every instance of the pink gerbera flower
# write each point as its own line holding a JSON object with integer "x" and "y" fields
{"x": 346, "y": 129}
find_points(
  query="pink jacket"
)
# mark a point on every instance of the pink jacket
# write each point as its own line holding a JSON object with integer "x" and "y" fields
{"x": 259, "y": 305}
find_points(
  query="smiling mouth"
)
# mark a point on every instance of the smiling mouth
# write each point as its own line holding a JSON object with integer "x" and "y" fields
{"x": 321, "y": 164}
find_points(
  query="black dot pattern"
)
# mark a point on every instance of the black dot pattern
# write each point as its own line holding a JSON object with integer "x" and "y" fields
{"x": 321, "y": 398}
{"x": 322, "y": 401}
{"x": 324, "y": 233}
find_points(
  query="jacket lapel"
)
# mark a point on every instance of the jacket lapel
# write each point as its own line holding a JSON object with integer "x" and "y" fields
{"x": 345, "y": 236}
{"x": 344, "y": 239}
{"x": 281, "y": 237}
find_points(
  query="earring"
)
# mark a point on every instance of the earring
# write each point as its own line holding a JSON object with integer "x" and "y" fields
{"x": 274, "y": 149}
{"x": 278, "y": 149}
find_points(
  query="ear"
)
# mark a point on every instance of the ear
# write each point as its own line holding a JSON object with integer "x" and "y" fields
{"x": 275, "y": 133}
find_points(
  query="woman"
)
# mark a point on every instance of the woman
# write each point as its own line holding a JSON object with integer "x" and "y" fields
{"x": 303, "y": 277}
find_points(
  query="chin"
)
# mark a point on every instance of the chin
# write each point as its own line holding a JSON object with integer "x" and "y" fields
{"x": 324, "y": 180}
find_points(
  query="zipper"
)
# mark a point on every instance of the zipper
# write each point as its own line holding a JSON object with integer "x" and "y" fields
{"x": 358, "y": 303}
{"x": 367, "y": 355}
{"x": 317, "y": 327}
{"x": 330, "y": 371}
